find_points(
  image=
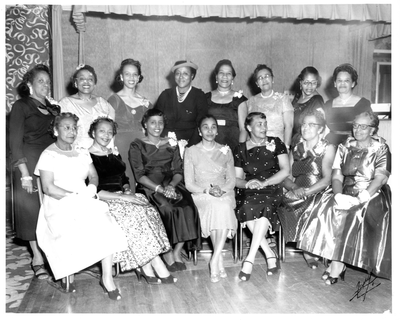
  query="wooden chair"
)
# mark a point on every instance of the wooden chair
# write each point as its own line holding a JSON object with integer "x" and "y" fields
{"x": 67, "y": 279}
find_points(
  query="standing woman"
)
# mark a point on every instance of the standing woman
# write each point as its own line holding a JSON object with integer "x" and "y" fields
{"x": 85, "y": 104}
{"x": 261, "y": 164}
{"x": 276, "y": 107}
{"x": 210, "y": 176}
{"x": 158, "y": 170}
{"x": 341, "y": 110}
{"x": 307, "y": 100}
{"x": 129, "y": 107}
{"x": 30, "y": 119}
{"x": 224, "y": 104}
{"x": 183, "y": 105}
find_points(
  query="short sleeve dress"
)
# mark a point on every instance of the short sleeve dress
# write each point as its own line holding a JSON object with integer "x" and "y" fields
{"x": 306, "y": 170}
{"x": 202, "y": 169}
{"x": 76, "y": 231}
{"x": 227, "y": 118}
{"x": 360, "y": 236}
{"x": 142, "y": 225}
{"x": 273, "y": 107}
{"x": 86, "y": 117}
{"x": 180, "y": 217}
{"x": 260, "y": 162}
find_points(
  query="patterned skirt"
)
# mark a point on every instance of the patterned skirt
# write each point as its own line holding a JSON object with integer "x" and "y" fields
{"x": 144, "y": 231}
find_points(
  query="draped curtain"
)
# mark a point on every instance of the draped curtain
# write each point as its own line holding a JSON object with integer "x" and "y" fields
{"x": 27, "y": 44}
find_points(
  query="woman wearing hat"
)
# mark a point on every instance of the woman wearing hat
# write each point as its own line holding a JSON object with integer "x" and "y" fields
{"x": 183, "y": 105}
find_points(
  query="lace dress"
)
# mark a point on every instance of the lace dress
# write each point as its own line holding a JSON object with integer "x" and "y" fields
{"x": 202, "y": 169}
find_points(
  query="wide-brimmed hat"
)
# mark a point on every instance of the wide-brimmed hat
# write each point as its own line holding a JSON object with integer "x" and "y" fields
{"x": 184, "y": 63}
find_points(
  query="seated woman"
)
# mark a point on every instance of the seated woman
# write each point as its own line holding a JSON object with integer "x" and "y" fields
{"x": 261, "y": 164}
{"x": 311, "y": 161}
{"x": 210, "y": 176}
{"x": 352, "y": 226}
{"x": 74, "y": 229}
{"x": 157, "y": 166}
{"x": 139, "y": 220}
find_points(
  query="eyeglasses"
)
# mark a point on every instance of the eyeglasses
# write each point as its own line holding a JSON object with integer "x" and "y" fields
{"x": 361, "y": 126}
{"x": 69, "y": 128}
{"x": 311, "y": 125}
{"x": 261, "y": 78}
{"x": 309, "y": 83}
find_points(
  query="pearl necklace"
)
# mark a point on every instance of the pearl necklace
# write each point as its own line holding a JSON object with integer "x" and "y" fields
{"x": 257, "y": 143}
{"x": 206, "y": 148}
{"x": 223, "y": 93}
{"x": 85, "y": 99}
{"x": 269, "y": 96}
{"x": 182, "y": 96}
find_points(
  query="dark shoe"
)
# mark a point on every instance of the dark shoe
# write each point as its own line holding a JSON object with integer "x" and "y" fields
{"x": 150, "y": 280}
{"x": 274, "y": 270}
{"x": 40, "y": 272}
{"x": 242, "y": 275}
{"x": 170, "y": 267}
{"x": 330, "y": 280}
{"x": 180, "y": 266}
{"x": 311, "y": 262}
{"x": 113, "y": 295}
{"x": 168, "y": 280}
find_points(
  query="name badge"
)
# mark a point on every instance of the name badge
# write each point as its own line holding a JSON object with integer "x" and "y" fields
{"x": 221, "y": 122}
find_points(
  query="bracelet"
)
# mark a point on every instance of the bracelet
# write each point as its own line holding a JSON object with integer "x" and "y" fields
{"x": 246, "y": 186}
{"x": 156, "y": 189}
{"x": 29, "y": 178}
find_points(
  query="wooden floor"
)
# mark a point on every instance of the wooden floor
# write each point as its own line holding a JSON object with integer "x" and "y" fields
{"x": 297, "y": 289}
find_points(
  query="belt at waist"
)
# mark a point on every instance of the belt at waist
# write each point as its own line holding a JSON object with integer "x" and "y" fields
{"x": 227, "y": 123}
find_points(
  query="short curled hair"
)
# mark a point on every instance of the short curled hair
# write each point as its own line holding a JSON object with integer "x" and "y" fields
{"x": 373, "y": 117}
{"x": 151, "y": 113}
{"x": 95, "y": 124}
{"x": 309, "y": 70}
{"x": 259, "y": 68}
{"x": 346, "y": 67}
{"x": 207, "y": 116}
{"x": 57, "y": 120}
{"x": 129, "y": 62}
{"x": 224, "y": 62}
{"x": 84, "y": 67}
{"x": 250, "y": 117}
{"x": 29, "y": 77}
{"x": 318, "y": 114}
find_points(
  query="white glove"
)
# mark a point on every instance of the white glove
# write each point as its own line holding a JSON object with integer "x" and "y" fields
{"x": 90, "y": 191}
{"x": 345, "y": 202}
{"x": 364, "y": 196}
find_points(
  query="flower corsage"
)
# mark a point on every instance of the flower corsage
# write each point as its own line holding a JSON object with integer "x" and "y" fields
{"x": 238, "y": 94}
{"x": 173, "y": 141}
{"x": 270, "y": 145}
{"x": 224, "y": 149}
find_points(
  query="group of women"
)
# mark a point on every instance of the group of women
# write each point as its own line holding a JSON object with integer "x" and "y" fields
{"x": 264, "y": 161}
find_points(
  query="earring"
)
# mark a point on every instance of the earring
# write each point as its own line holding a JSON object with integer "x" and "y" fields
{"x": 121, "y": 78}
{"x": 200, "y": 135}
{"x": 232, "y": 83}
{"x": 55, "y": 133}
{"x": 30, "y": 91}
{"x": 216, "y": 81}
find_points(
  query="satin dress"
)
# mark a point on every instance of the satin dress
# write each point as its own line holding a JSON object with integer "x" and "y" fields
{"x": 360, "y": 236}
{"x": 306, "y": 170}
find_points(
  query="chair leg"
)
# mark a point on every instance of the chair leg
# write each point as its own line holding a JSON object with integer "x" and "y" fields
{"x": 235, "y": 253}
{"x": 67, "y": 282}
{"x": 117, "y": 270}
{"x": 195, "y": 257}
{"x": 240, "y": 242}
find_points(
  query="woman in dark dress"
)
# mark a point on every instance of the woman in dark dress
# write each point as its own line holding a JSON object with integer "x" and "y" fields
{"x": 183, "y": 105}
{"x": 141, "y": 222}
{"x": 158, "y": 170}
{"x": 261, "y": 164}
{"x": 352, "y": 225}
{"x": 224, "y": 103}
{"x": 130, "y": 107}
{"x": 30, "y": 119}
{"x": 311, "y": 161}
{"x": 340, "y": 111}
{"x": 306, "y": 100}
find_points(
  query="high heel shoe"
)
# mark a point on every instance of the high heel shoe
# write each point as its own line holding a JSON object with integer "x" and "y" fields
{"x": 167, "y": 280}
{"x": 222, "y": 273}
{"x": 245, "y": 276}
{"x": 311, "y": 262}
{"x": 150, "y": 280}
{"x": 330, "y": 280}
{"x": 274, "y": 270}
{"x": 113, "y": 295}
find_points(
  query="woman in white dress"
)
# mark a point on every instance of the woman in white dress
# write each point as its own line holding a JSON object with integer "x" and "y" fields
{"x": 85, "y": 104}
{"x": 210, "y": 176}
{"x": 75, "y": 230}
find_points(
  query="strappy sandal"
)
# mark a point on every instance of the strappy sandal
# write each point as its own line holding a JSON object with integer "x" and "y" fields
{"x": 40, "y": 272}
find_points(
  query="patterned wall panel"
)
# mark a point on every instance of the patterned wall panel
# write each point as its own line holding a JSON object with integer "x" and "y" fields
{"x": 27, "y": 44}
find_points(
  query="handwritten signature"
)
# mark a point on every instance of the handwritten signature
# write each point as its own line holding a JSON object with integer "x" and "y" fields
{"x": 365, "y": 287}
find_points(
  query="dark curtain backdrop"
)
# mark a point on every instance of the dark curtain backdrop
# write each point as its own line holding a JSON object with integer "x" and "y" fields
{"x": 287, "y": 45}
{"x": 27, "y": 44}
